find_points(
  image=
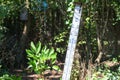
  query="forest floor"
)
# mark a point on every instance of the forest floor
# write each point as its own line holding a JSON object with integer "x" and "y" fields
{"x": 26, "y": 74}
{"x": 47, "y": 75}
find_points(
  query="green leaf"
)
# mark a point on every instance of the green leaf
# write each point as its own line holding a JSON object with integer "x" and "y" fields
{"x": 38, "y": 48}
{"x": 47, "y": 52}
{"x": 40, "y": 79}
{"x": 55, "y": 67}
{"x": 32, "y": 64}
{"x": 58, "y": 50}
{"x": 33, "y": 46}
{"x": 51, "y": 51}
{"x": 87, "y": 1}
{"x": 30, "y": 54}
{"x": 53, "y": 56}
{"x": 43, "y": 58}
{"x": 53, "y": 61}
{"x": 45, "y": 47}
{"x": 29, "y": 51}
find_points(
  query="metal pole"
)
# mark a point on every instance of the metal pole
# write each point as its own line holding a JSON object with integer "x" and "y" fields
{"x": 72, "y": 42}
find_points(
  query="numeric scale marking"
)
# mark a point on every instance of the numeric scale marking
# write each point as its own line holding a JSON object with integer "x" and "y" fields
{"x": 72, "y": 42}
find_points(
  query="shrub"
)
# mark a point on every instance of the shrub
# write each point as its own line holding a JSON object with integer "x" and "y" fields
{"x": 9, "y": 77}
{"x": 40, "y": 58}
{"x": 106, "y": 74}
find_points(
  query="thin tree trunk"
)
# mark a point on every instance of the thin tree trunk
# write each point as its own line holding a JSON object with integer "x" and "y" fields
{"x": 101, "y": 30}
{"x": 23, "y": 40}
{"x": 100, "y": 48}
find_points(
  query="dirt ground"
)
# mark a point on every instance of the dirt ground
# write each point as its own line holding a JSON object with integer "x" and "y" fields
{"x": 47, "y": 75}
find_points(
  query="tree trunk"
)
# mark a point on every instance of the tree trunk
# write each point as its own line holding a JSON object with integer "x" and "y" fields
{"x": 21, "y": 57}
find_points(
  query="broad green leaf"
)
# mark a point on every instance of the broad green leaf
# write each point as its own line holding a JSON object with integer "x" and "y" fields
{"x": 53, "y": 61}
{"x": 51, "y": 51}
{"x": 29, "y": 51}
{"x": 38, "y": 48}
{"x": 42, "y": 58}
{"x": 53, "y": 56}
{"x": 33, "y": 46}
{"x": 46, "y": 52}
{"x": 55, "y": 67}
